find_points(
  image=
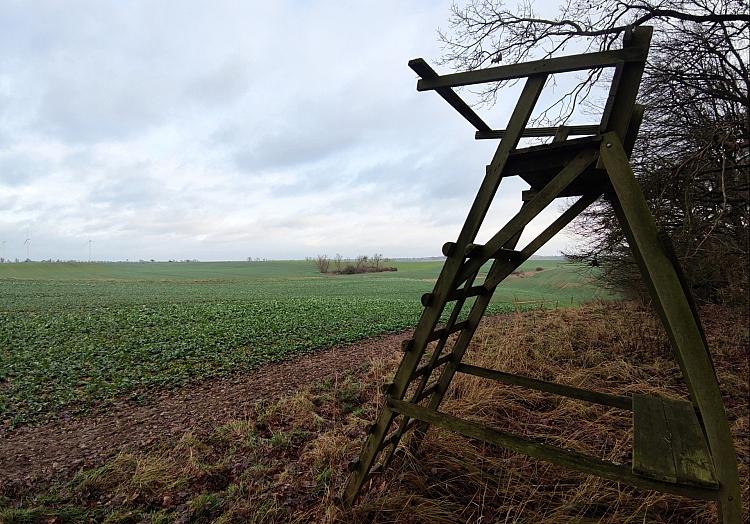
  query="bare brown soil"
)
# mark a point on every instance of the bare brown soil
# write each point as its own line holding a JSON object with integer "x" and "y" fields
{"x": 54, "y": 449}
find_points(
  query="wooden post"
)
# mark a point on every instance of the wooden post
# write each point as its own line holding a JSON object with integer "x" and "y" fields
{"x": 677, "y": 316}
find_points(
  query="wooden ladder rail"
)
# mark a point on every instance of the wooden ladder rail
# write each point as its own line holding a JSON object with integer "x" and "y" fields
{"x": 446, "y": 282}
{"x": 428, "y": 369}
{"x": 678, "y": 317}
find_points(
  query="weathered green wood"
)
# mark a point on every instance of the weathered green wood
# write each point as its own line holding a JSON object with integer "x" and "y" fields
{"x": 532, "y": 132}
{"x": 562, "y": 64}
{"x": 635, "y": 125}
{"x": 621, "y": 119}
{"x": 652, "y": 441}
{"x": 596, "y": 397}
{"x": 563, "y": 132}
{"x": 426, "y": 369}
{"x": 435, "y": 361}
{"x": 421, "y": 67}
{"x": 551, "y": 151}
{"x": 569, "y": 459}
{"x": 462, "y": 343}
{"x": 692, "y": 460}
{"x": 529, "y": 211}
{"x": 468, "y": 292}
{"x": 677, "y": 317}
{"x": 526, "y": 102}
{"x": 624, "y": 91}
{"x": 445, "y": 283}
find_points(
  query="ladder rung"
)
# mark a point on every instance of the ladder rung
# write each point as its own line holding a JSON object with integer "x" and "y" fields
{"x": 473, "y": 250}
{"x": 510, "y": 254}
{"x": 423, "y": 370}
{"x": 458, "y": 294}
{"x": 390, "y": 439}
{"x": 408, "y": 345}
{"x": 427, "y": 392}
{"x": 374, "y": 472}
{"x": 444, "y": 331}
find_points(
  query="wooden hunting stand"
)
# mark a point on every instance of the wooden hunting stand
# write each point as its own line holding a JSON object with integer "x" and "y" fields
{"x": 680, "y": 447}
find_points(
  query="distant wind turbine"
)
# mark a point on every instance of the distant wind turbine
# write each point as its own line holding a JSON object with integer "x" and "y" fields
{"x": 27, "y": 243}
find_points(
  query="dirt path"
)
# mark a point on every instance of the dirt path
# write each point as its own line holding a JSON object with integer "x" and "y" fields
{"x": 50, "y": 450}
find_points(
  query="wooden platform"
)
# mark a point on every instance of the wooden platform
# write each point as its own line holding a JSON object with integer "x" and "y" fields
{"x": 669, "y": 444}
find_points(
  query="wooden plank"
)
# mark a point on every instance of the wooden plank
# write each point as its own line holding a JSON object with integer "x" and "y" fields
{"x": 652, "y": 440}
{"x": 562, "y": 64}
{"x": 532, "y": 132}
{"x": 427, "y": 369}
{"x": 596, "y": 397}
{"x": 563, "y": 132}
{"x": 529, "y": 211}
{"x": 569, "y": 459}
{"x": 423, "y": 69}
{"x": 542, "y": 152}
{"x": 624, "y": 90}
{"x": 464, "y": 293}
{"x": 681, "y": 326}
{"x": 444, "y": 332}
{"x": 692, "y": 460}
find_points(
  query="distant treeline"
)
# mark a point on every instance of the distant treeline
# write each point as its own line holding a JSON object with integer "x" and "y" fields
{"x": 361, "y": 264}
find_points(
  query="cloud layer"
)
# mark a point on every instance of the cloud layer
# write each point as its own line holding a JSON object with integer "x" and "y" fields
{"x": 222, "y": 130}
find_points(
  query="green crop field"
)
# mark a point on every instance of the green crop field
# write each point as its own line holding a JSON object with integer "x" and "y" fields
{"x": 76, "y": 336}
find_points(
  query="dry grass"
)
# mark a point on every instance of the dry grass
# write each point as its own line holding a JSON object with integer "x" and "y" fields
{"x": 286, "y": 463}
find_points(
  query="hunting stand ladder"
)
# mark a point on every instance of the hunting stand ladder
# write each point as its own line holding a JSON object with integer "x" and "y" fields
{"x": 680, "y": 447}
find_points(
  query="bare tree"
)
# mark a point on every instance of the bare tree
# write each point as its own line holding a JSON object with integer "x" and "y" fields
{"x": 322, "y": 263}
{"x": 693, "y": 153}
{"x": 338, "y": 261}
{"x": 483, "y": 32}
{"x": 377, "y": 258}
{"x": 360, "y": 263}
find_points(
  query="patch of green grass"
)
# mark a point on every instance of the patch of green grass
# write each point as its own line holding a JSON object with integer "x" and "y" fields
{"x": 74, "y": 336}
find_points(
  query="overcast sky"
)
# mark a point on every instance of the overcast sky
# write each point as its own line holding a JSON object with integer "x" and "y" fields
{"x": 222, "y": 130}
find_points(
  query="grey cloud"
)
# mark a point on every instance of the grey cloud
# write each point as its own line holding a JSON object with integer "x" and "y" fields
{"x": 189, "y": 129}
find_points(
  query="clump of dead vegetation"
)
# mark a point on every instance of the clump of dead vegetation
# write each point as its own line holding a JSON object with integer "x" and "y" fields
{"x": 287, "y": 461}
{"x": 361, "y": 264}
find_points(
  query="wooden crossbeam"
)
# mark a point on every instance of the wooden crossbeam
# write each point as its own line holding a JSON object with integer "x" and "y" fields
{"x": 427, "y": 369}
{"x": 534, "y": 132}
{"x": 423, "y": 69}
{"x": 624, "y": 89}
{"x": 547, "y": 66}
{"x": 562, "y": 457}
{"x": 605, "y": 399}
